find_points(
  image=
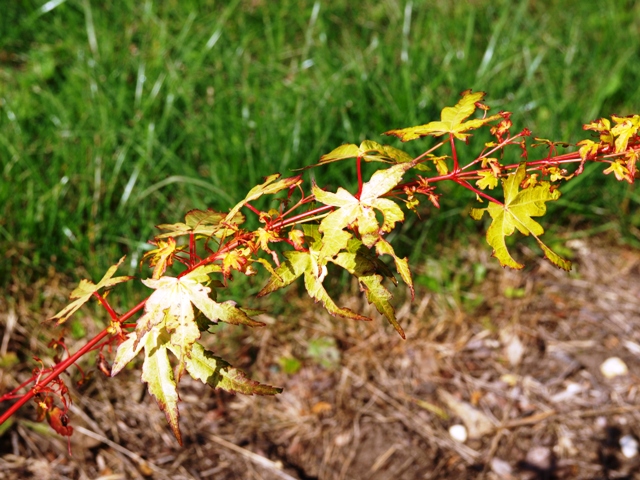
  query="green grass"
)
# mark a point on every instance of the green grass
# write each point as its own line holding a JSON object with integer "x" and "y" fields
{"x": 117, "y": 117}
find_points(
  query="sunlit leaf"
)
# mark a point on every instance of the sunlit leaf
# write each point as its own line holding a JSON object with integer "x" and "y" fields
{"x": 86, "y": 289}
{"x": 516, "y": 213}
{"x": 625, "y": 129}
{"x": 487, "y": 180}
{"x": 205, "y": 366}
{"x": 157, "y": 373}
{"x": 297, "y": 264}
{"x": 361, "y": 211}
{"x": 619, "y": 169}
{"x": 293, "y": 267}
{"x": 202, "y": 222}
{"x": 452, "y": 120}
{"x": 127, "y": 351}
{"x": 270, "y": 186}
{"x": 162, "y": 257}
{"x": 369, "y": 151}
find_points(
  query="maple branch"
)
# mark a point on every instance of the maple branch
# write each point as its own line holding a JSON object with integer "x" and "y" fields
{"x": 468, "y": 186}
{"x": 58, "y": 369}
{"x": 103, "y": 301}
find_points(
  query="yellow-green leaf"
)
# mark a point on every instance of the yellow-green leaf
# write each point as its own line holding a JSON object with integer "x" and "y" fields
{"x": 270, "y": 186}
{"x": 380, "y": 297}
{"x": 293, "y": 267}
{"x": 202, "y": 222}
{"x": 487, "y": 180}
{"x": 205, "y": 366}
{"x": 516, "y": 213}
{"x": 626, "y": 128}
{"x": 343, "y": 152}
{"x": 157, "y": 372}
{"x": 619, "y": 169}
{"x": 452, "y": 120}
{"x": 368, "y": 150}
{"x": 317, "y": 292}
{"x": 86, "y": 289}
{"x": 361, "y": 211}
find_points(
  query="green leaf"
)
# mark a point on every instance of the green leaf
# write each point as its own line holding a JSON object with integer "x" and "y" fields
{"x": 85, "y": 290}
{"x": 516, "y": 213}
{"x": 203, "y": 365}
{"x": 360, "y": 263}
{"x": 158, "y": 374}
{"x": 452, "y": 120}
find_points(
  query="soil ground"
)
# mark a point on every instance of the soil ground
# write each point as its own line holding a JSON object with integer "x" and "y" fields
{"x": 521, "y": 371}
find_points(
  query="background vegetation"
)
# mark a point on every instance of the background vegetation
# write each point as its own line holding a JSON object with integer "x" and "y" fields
{"x": 116, "y": 116}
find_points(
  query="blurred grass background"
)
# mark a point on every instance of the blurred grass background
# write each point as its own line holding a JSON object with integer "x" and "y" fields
{"x": 117, "y": 116}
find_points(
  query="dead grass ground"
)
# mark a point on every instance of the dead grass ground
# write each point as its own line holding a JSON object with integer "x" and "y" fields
{"x": 521, "y": 373}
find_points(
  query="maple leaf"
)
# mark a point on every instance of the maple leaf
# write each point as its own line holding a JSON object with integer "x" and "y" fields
{"x": 603, "y": 127}
{"x": 270, "y": 186}
{"x": 203, "y": 365}
{"x": 620, "y": 170}
{"x": 264, "y": 237}
{"x": 202, "y": 222}
{"x": 157, "y": 373}
{"x": 402, "y": 264}
{"x": 368, "y": 150}
{"x": 452, "y": 120}
{"x": 361, "y": 211}
{"x": 297, "y": 264}
{"x": 170, "y": 308}
{"x": 359, "y": 262}
{"x": 519, "y": 206}
{"x": 626, "y": 128}
{"x": 85, "y": 290}
{"x": 162, "y": 257}
{"x": 588, "y": 149}
{"x": 487, "y": 180}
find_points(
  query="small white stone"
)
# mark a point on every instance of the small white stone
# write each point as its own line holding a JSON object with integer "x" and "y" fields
{"x": 613, "y": 367}
{"x": 501, "y": 468}
{"x": 629, "y": 446}
{"x": 458, "y": 433}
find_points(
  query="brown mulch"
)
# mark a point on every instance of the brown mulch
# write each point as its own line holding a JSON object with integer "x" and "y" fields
{"x": 516, "y": 360}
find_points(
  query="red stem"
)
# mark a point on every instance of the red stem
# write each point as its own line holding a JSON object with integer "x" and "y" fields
{"x": 454, "y": 153}
{"x": 359, "y": 170}
{"x": 62, "y": 366}
{"x": 107, "y": 306}
{"x": 192, "y": 249}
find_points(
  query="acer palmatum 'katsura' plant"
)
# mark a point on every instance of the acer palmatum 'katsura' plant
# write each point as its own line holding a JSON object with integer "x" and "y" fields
{"x": 346, "y": 229}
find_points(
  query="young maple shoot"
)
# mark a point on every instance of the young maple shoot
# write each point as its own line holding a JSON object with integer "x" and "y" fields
{"x": 347, "y": 230}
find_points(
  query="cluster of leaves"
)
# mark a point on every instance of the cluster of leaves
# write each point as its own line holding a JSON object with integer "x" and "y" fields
{"x": 322, "y": 228}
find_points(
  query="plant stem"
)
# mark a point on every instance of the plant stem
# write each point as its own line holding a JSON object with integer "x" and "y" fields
{"x": 62, "y": 366}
